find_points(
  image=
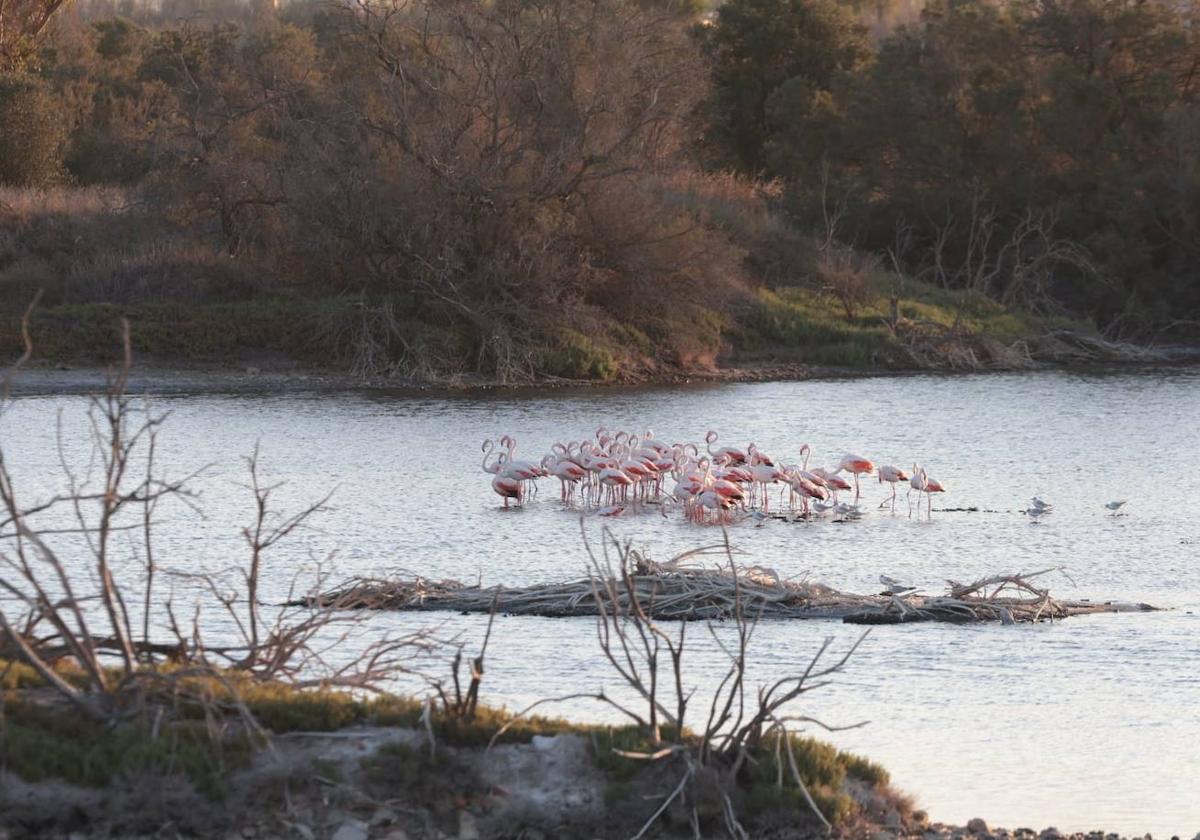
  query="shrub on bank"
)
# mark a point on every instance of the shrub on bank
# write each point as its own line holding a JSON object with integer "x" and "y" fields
{"x": 33, "y": 132}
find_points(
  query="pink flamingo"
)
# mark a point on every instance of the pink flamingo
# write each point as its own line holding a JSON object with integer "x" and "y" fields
{"x": 922, "y": 483}
{"x": 932, "y": 485}
{"x": 567, "y": 472}
{"x": 737, "y": 456}
{"x": 507, "y": 488}
{"x": 488, "y": 446}
{"x": 891, "y": 475}
{"x": 615, "y": 479}
{"x": 858, "y": 465}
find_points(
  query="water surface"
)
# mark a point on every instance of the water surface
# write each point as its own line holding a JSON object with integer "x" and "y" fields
{"x": 1089, "y": 723}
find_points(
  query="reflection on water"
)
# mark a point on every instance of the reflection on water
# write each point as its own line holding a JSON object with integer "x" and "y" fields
{"x": 1091, "y": 723}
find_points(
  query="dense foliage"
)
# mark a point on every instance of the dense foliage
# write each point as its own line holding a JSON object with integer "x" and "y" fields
{"x": 431, "y": 187}
{"x": 1045, "y": 152}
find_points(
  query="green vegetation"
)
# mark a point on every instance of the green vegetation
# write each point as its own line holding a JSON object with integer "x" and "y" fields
{"x": 1042, "y": 154}
{"x": 824, "y": 770}
{"x": 41, "y": 739}
{"x": 815, "y": 327}
{"x": 39, "y": 742}
{"x": 289, "y": 189}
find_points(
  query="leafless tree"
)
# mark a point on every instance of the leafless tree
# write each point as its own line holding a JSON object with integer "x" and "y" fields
{"x": 740, "y": 724}
{"x": 60, "y": 605}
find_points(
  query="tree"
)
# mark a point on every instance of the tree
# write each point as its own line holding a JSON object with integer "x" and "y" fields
{"x": 33, "y": 133}
{"x": 21, "y": 22}
{"x": 1041, "y": 151}
{"x": 757, "y": 47}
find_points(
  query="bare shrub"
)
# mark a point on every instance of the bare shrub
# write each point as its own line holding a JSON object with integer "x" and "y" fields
{"x": 844, "y": 274}
{"x": 58, "y": 605}
{"x": 741, "y": 728}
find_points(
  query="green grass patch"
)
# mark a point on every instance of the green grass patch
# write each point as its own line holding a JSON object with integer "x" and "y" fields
{"x": 607, "y": 740}
{"x": 572, "y": 355}
{"x": 39, "y": 743}
{"x": 814, "y": 325}
{"x": 800, "y": 320}
{"x": 92, "y": 331}
{"x": 824, "y": 769}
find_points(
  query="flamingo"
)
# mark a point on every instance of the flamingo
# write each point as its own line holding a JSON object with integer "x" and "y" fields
{"x": 806, "y": 489}
{"x": 932, "y": 485}
{"x": 567, "y": 472}
{"x": 710, "y": 485}
{"x": 922, "y": 483}
{"x": 613, "y": 478}
{"x": 735, "y": 455}
{"x": 916, "y": 482}
{"x": 891, "y": 475}
{"x": 832, "y": 480}
{"x": 507, "y": 488}
{"x": 858, "y": 465}
{"x": 488, "y": 446}
{"x": 522, "y": 470}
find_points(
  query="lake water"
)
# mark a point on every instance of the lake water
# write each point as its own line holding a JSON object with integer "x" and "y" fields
{"x": 1093, "y": 722}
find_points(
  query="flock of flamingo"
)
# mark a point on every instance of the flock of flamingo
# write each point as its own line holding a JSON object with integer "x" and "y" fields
{"x": 611, "y": 472}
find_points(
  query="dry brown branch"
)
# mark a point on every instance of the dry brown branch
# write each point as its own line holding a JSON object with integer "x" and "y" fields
{"x": 685, "y": 591}
{"x": 55, "y": 607}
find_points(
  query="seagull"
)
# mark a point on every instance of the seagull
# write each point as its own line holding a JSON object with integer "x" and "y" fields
{"x": 1116, "y": 506}
{"x": 848, "y": 511}
{"x": 1040, "y": 506}
{"x": 894, "y": 587}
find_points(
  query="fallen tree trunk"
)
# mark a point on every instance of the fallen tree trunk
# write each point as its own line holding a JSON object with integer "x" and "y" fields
{"x": 672, "y": 591}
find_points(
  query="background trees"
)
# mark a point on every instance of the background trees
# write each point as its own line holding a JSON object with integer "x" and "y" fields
{"x": 1031, "y": 150}
{"x": 21, "y": 22}
{"x": 577, "y": 187}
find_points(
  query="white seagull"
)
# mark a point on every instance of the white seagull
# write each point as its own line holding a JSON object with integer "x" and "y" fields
{"x": 894, "y": 587}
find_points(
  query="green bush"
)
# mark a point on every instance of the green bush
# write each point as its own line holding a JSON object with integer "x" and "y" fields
{"x": 40, "y": 743}
{"x": 573, "y": 355}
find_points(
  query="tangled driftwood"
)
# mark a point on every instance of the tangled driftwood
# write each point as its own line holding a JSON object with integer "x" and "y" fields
{"x": 683, "y": 590}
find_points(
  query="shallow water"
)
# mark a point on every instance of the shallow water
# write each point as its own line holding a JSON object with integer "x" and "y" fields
{"x": 1089, "y": 723}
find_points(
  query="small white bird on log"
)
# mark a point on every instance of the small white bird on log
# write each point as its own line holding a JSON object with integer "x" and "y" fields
{"x": 894, "y": 587}
{"x": 1116, "y": 506}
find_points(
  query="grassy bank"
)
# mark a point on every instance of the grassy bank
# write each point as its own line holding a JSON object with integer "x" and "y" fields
{"x": 432, "y": 768}
{"x": 100, "y": 254}
{"x": 782, "y": 325}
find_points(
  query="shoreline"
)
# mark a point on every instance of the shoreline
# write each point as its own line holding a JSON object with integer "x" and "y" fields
{"x": 234, "y": 377}
{"x": 378, "y": 781}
